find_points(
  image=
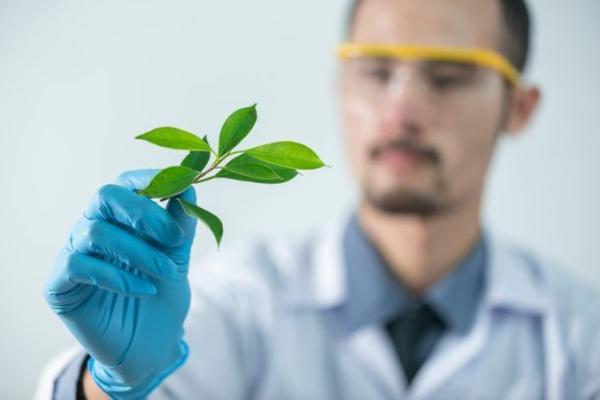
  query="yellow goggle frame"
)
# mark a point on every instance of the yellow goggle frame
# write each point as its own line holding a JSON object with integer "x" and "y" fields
{"x": 482, "y": 57}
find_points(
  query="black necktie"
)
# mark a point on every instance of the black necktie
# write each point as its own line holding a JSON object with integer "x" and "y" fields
{"x": 414, "y": 334}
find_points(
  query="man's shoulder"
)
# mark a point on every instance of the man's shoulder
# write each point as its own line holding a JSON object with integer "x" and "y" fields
{"x": 569, "y": 306}
{"x": 568, "y": 293}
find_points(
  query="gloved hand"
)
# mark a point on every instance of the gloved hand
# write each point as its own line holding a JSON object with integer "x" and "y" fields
{"x": 120, "y": 286}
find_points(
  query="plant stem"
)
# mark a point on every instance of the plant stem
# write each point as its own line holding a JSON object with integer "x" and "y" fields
{"x": 207, "y": 171}
{"x": 206, "y": 179}
{"x": 213, "y": 166}
{"x": 216, "y": 164}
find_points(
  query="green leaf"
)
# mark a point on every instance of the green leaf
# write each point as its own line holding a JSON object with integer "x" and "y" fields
{"x": 197, "y": 160}
{"x": 238, "y": 177}
{"x": 251, "y": 168}
{"x": 246, "y": 168}
{"x": 287, "y": 154}
{"x": 174, "y": 138}
{"x": 170, "y": 182}
{"x": 209, "y": 219}
{"x": 236, "y": 128}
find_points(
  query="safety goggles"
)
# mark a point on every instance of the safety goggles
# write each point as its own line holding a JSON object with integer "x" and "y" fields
{"x": 473, "y": 56}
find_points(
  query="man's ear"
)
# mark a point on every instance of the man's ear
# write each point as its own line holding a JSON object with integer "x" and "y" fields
{"x": 525, "y": 101}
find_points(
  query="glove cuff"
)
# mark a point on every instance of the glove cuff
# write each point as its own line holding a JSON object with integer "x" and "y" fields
{"x": 119, "y": 390}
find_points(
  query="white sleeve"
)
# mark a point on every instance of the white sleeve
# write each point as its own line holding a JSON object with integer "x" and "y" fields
{"x": 591, "y": 384}
{"x": 224, "y": 330}
{"x": 52, "y": 370}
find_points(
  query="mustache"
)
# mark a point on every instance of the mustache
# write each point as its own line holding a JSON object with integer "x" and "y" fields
{"x": 406, "y": 145}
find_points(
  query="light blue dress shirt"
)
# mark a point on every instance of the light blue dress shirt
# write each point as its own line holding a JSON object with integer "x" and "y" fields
{"x": 376, "y": 296}
{"x": 300, "y": 318}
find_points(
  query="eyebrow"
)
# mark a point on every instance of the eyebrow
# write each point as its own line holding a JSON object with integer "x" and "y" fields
{"x": 380, "y": 59}
{"x": 454, "y": 65}
{"x": 429, "y": 65}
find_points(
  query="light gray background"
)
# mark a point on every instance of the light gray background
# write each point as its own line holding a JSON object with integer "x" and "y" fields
{"x": 79, "y": 79}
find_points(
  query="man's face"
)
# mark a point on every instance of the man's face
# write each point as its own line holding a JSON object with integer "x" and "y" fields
{"x": 420, "y": 135}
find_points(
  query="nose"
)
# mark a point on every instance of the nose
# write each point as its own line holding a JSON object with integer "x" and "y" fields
{"x": 403, "y": 103}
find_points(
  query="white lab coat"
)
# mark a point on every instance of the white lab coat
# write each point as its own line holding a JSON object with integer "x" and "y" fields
{"x": 263, "y": 325}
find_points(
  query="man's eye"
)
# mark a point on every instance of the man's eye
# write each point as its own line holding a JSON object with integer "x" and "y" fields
{"x": 379, "y": 74}
{"x": 442, "y": 82}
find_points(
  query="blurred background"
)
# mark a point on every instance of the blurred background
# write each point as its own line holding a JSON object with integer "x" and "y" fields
{"x": 80, "y": 79}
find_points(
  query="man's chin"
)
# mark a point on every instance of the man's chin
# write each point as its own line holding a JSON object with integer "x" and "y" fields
{"x": 402, "y": 201}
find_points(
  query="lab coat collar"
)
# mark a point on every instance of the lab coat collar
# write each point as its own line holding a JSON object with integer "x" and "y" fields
{"x": 315, "y": 273}
{"x": 319, "y": 276}
{"x": 514, "y": 280}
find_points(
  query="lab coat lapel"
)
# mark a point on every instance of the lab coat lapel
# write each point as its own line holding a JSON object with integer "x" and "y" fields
{"x": 452, "y": 354}
{"x": 373, "y": 355}
{"x": 518, "y": 286}
{"x": 367, "y": 349}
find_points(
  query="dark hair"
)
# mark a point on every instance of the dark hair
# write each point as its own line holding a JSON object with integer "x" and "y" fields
{"x": 516, "y": 39}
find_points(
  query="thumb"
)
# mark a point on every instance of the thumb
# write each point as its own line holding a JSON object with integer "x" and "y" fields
{"x": 139, "y": 179}
{"x": 187, "y": 223}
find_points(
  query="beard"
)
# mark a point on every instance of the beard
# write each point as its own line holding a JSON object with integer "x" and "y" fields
{"x": 404, "y": 201}
{"x": 399, "y": 200}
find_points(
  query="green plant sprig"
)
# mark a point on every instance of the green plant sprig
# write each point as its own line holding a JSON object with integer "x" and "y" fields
{"x": 271, "y": 163}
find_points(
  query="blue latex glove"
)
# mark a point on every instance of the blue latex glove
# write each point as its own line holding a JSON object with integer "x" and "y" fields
{"x": 120, "y": 286}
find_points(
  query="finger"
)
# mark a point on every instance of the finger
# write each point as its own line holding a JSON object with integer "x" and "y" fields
{"x": 88, "y": 270}
{"x": 139, "y": 214}
{"x": 99, "y": 237}
{"x": 136, "y": 179}
{"x": 139, "y": 179}
{"x": 60, "y": 293}
{"x": 64, "y": 293}
{"x": 181, "y": 255}
{"x": 187, "y": 223}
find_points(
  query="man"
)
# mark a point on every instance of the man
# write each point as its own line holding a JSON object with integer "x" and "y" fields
{"x": 410, "y": 296}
